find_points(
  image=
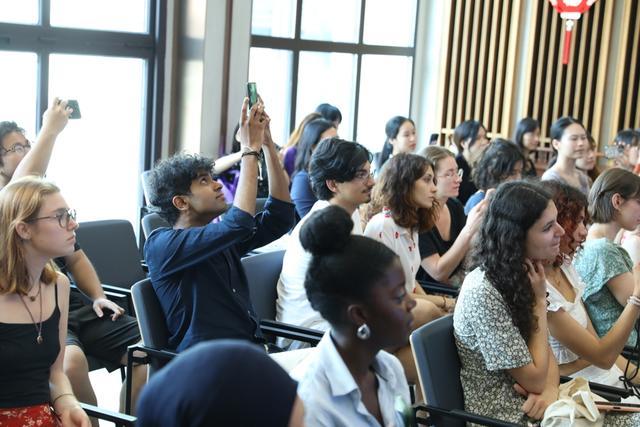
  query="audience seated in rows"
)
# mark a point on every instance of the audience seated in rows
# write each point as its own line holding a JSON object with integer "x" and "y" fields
{"x": 358, "y": 286}
{"x": 340, "y": 175}
{"x": 401, "y": 138}
{"x": 301, "y": 193}
{"x": 569, "y": 141}
{"x": 195, "y": 266}
{"x": 500, "y": 321}
{"x": 527, "y": 138}
{"x": 574, "y": 342}
{"x": 443, "y": 247}
{"x": 470, "y": 139}
{"x": 221, "y": 383}
{"x": 89, "y": 332}
{"x": 36, "y": 225}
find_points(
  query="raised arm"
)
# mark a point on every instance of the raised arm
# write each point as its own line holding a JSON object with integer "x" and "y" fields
{"x": 278, "y": 178}
{"x": 224, "y": 163}
{"x": 36, "y": 161}
{"x": 602, "y": 352}
{"x": 440, "y": 267}
{"x": 251, "y": 137}
{"x": 533, "y": 377}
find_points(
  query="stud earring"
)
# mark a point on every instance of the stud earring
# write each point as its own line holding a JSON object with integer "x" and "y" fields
{"x": 363, "y": 332}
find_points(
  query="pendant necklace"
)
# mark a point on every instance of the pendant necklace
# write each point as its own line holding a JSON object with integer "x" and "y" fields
{"x": 33, "y": 298}
{"x": 39, "y": 325}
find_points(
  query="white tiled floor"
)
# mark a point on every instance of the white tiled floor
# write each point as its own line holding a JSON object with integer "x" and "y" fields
{"x": 107, "y": 387}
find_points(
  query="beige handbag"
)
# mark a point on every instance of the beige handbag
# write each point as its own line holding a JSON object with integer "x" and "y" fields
{"x": 575, "y": 406}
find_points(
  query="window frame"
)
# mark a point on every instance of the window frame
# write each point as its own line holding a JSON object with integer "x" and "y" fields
{"x": 44, "y": 40}
{"x": 297, "y": 44}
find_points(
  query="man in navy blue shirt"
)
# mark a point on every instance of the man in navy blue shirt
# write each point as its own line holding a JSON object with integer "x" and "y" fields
{"x": 195, "y": 266}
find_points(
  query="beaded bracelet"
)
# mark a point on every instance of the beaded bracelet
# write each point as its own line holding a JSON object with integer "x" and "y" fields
{"x": 251, "y": 153}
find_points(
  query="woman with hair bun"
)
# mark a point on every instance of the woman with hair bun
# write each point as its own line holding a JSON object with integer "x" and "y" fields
{"x": 358, "y": 286}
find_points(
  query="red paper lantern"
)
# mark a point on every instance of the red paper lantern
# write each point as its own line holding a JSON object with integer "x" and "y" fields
{"x": 570, "y": 11}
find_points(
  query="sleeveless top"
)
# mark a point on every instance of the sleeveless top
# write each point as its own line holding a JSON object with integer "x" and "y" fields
{"x": 576, "y": 310}
{"x": 25, "y": 364}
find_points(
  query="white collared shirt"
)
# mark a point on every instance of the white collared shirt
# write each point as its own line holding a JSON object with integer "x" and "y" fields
{"x": 332, "y": 398}
{"x": 401, "y": 240}
{"x": 292, "y": 305}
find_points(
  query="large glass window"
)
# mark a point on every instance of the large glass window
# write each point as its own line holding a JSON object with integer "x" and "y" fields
{"x": 102, "y": 54}
{"x": 18, "y": 89}
{"x": 97, "y": 158}
{"x": 354, "y": 54}
{"x": 19, "y": 12}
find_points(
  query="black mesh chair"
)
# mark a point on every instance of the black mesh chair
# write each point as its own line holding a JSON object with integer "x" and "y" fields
{"x": 438, "y": 364}
{"x": 434, "y": 350}
{"x": 262, "y": 271}
{"x": 111, "y": 247}
{"x": 152, "y": 221}
{"x": 118, "y": 419}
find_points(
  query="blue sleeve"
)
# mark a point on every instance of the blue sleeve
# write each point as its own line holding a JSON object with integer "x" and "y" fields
{"x": 276, "y": 219}
{"x": 301, "y": 193}
{"x": 473, "y": 201}
{"x": 168, "y": 251}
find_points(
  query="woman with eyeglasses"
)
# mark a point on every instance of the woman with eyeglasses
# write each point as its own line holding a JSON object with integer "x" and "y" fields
{"x": 36, "y": 226}
{"x": 16, "y": 157}
{"x": 443, "y": 247}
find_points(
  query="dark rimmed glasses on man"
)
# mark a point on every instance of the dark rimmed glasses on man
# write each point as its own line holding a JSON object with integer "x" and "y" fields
{"x": 17, "y": 148}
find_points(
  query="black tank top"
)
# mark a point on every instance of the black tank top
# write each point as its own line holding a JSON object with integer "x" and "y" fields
{"x": 25, "y": 364}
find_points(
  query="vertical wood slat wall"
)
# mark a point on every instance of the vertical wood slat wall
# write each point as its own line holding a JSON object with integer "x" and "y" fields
{"x": 480, "y": 79}
{"x": 480, "y": 58}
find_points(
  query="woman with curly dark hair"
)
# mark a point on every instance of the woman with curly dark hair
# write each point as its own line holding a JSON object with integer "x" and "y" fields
{"x": 500, "y": 321}
{"x": 402, "y": 206}
{"x": 574, "y": 342}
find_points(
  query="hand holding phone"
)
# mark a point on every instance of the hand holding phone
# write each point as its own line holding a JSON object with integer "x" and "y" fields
{"x": 252, "y": 93}
{"x": 73, "y": 104}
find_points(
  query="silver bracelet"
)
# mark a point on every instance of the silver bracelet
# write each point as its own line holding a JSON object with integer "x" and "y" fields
{"x": 634, "y": 300}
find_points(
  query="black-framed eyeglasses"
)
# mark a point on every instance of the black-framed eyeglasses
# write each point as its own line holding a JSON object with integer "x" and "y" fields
{"x": 63, "y": 217}
{"x": 363, "y": 174}
{"x": 17, "y": 148}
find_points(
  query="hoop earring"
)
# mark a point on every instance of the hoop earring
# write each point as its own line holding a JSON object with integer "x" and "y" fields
{"x": 363, "y": 332}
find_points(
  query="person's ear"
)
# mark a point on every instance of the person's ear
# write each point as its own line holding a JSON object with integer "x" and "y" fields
{"x": 357, "y": 315}
{"x": 555, "y": 144}
{"x": 180, "y": 202}
{"x": 466, "y": 144}
{"x": 23, "y": 230}
{"x": 617, "y": 200}
{"x": 332, "y": 185}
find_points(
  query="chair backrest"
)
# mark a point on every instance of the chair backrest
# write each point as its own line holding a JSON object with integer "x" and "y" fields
{"x": 144, "y": 181}
{"x": 111, "y": 247}
{"x": 151, "y": 320}
{"x": 262, "y": 271}
{"x": 151, "y": 221}
{"x": 434, "y": 350}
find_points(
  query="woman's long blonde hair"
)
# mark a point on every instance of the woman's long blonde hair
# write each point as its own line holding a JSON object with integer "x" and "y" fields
{"x": 20, "y": 201}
